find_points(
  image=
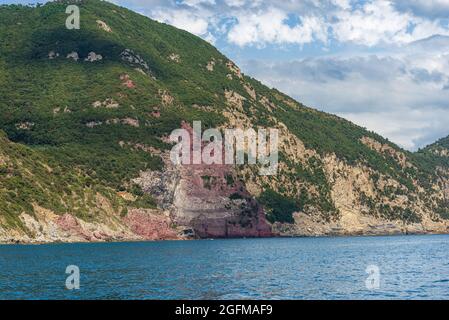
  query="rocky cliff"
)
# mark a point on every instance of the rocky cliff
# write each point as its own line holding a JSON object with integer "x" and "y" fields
{"x": 85, "y": 156}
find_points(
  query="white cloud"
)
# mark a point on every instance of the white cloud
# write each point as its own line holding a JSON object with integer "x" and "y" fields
{"x": 195, "y": 3}
{"x": 270, "y": 26}
{"x": 402, "y": 98}
{"x": 183, "y": 19}
{"x": 408, "y": 128}
{"x": 236, "y": 3}
{"x": 261, "y": 22}
{"x": 427, "y": 8}
{"x": 428, "y": 4}
{"x": 379, "y": 22}
{"x": 344, "y": 4}
{"x": 370, "y": 24}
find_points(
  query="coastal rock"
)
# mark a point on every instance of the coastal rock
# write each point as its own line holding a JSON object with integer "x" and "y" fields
{"x": 150, "y": 224}
{"x": 209, "y": 198}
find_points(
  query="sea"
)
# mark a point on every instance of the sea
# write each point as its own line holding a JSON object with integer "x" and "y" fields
{"x": 324, "y": 268}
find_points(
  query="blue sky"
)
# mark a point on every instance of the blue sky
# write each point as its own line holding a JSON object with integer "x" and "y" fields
{"x": 381, "y": 64}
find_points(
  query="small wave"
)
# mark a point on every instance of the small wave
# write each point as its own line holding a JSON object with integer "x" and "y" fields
{"x": 441, "y": 281}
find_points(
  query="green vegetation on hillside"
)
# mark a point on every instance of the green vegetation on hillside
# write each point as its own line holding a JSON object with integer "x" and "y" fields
{"x": 98, "y": 124}
{"x": 279, "y": 208}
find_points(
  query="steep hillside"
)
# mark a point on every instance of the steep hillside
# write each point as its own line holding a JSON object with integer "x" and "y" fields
{"x": 99, "y": 102}
{"x": 437, "y": 157}
{"x": 43, "y": 200}
{"x": 439, "y": 148}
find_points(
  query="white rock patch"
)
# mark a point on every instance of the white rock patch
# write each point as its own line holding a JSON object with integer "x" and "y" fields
{"x": 102, "y": 25}
{"x": 52, "y": 55}
{"x": 92, "y": 57}
{"x": 210, "y": 65}
{"x": 175, "y": 57}
{"x": 73, "y": 55}
{"x": 129, "y": 56}
{"x": 108, "y": 104}
{"x": 24, "y": 125}
{"x": 92, "y": 124}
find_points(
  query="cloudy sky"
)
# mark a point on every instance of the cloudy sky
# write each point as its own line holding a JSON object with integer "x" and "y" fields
{"x": 381, "y": 64}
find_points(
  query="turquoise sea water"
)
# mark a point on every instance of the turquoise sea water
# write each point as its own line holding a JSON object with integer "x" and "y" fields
{"x": 410, "y": 267}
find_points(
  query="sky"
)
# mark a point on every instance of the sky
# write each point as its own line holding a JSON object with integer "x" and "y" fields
{"x": 382, "y": 64}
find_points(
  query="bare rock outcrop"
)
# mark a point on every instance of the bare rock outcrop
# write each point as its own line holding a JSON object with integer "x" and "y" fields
{"x": 103, "y": 26}
{"x": 73, "y": 55}
{"x": 208, "y": 198}
{"x": 175, "y": 57}
{"x": 53, "y": 55}
{"x": 151, "y": 224}
{"x": 210, "y": 65}
{"x": 136, "y": 61}
{"x": 93, "y": 57}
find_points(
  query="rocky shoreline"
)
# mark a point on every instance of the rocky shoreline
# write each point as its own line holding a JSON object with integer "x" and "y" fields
{"x": 331, "y": 235}
{"x": 161, "y": 225}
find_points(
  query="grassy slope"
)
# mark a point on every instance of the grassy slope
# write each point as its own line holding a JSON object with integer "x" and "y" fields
{"x": 27, "y": 178}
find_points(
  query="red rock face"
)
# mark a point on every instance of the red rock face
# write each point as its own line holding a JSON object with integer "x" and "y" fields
{"x": 232, "y": 227}
{"x": 150, "y": 225}
{"x": 215, "y": 203}
{"x": 68, "y": 223}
